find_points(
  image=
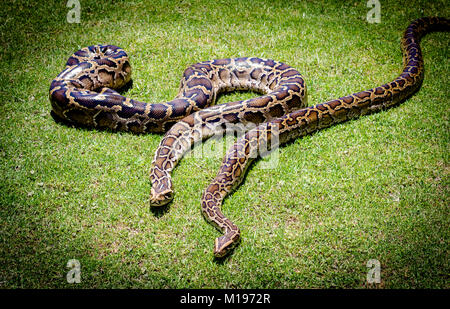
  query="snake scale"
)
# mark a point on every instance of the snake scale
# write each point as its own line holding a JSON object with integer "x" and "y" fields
{"x": 85, "y": 93}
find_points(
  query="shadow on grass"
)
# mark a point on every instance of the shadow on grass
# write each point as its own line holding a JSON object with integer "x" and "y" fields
{"x": 160, "y": 211}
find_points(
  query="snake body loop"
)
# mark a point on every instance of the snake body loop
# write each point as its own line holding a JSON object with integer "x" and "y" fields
{"x": 283, "y": 91}
{"x": 84, "y": 93}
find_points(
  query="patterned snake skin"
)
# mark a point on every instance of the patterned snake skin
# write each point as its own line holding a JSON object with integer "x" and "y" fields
{"x": 83, "y": 94}
{"x": 284, "y": 92}
{"x": 307, "y": 120}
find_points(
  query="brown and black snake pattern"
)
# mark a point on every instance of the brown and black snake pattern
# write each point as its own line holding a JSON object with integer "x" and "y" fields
{"x": 284, "y": 91}
{"x": 310, "y": 119}
{"x": 84, "y": 94}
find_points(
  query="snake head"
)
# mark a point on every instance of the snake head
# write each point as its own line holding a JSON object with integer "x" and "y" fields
{"x": 225, "y": 244}
{"x": 158, "y": 199}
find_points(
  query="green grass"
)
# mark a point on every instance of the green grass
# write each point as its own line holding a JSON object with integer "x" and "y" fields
{"x": 373, "y": 188}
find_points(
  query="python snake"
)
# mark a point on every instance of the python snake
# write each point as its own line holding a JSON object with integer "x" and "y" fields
{"x": 84, "y": 94}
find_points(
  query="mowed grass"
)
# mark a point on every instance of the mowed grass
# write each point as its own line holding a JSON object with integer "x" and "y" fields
{"x": 373, "y": 188}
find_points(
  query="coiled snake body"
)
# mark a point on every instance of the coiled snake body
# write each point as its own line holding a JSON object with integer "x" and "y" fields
{"x": 83, "y": 94}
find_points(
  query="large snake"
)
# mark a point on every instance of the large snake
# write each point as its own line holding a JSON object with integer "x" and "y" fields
{"x": 84, "y": 94}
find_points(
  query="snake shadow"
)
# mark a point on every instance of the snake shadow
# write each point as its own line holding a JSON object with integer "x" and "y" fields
{"x": 160, "y": 211}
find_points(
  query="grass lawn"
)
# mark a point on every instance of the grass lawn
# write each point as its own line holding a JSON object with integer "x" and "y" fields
{"x": 373, "y": 188}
